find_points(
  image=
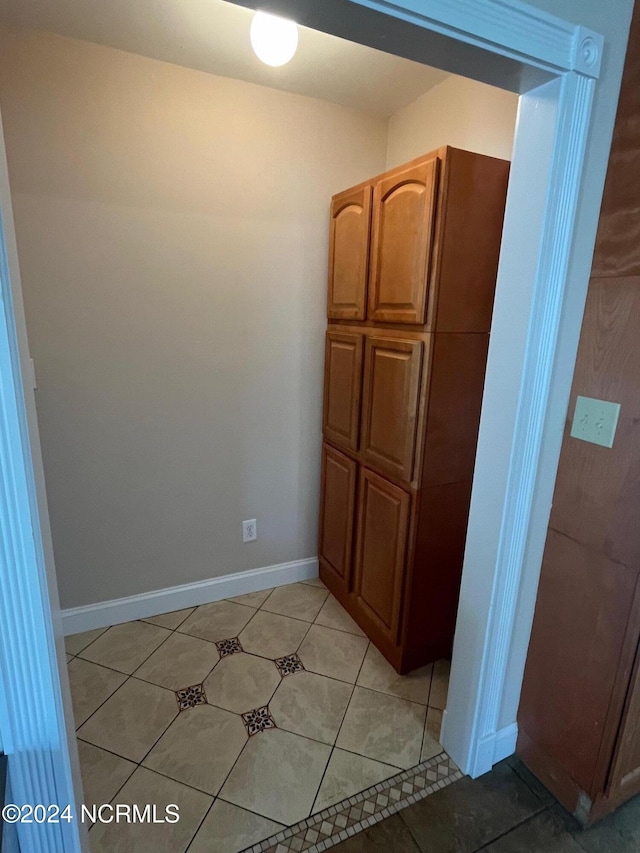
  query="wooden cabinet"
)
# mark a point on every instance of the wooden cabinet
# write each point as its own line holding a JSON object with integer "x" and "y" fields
{"x": 342, "y": 387}
{"x": 349, "y": 253}
{"x": 390, "y": 404}
{"x": 403, "y": 223}
{"x": 337, "y": 509}
{"x": 383, "y": 526}
{"x": 409, "y": 308}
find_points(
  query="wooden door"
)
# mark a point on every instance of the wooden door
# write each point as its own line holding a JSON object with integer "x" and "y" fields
{"x": 403, "y": 224}
{"x": 349, "y": 254}
{"x": 383, "y": 524}
{"x": 337, "y": 510}
{"x": 625, "y": 772}
{"x": 391, "y": 399}
{"x": 342, "y": 388}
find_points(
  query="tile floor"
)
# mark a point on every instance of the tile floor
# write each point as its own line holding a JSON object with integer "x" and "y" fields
{"x": 504, "y": 811}
{"x": 251, "y": 714}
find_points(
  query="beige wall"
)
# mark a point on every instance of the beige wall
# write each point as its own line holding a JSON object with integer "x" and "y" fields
{"x": 172, "y": 232}
{"x": 457, "y": 112}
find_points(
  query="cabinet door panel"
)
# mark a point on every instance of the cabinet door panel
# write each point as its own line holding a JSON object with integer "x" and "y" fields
{"x": 403, "y": 225}
{"x": 342, "y": 388}
{"x": 349, "y": 254}
{"x": 390, "y": 404}
{"x": 337, "y": 509}
{"x": 383, "y": 524}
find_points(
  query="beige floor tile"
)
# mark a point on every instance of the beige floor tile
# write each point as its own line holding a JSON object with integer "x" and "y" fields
{"x": 314, "y": 582}
{"x": 333, "y": 615}
{"x": 298, "y": 600}
{"x": 378, "y": 674}
{"x": 103, "y": 773}
{"x": 431, "y": 744}
{"x": 333, "y": 653}
{"x": 310, "y": 705}
{"x": 90, "y": 685}
{"x": 220, "y": 620}
{"x": 277, "y": 776}
{"x": 179, "y": 662}
{"x": 199, "y": 748}
{"x": 147, "y": 787}
{"x": 69, "y": 657}
{"x": 171, "y": 620}
{"x": 242, "y": 682}
{"x": 434, "y": 722}
{"x": 348, "y": 774}
{"x": 384, "y": 728}
{"x": 124, "y": 647}
{"x": 75, "y": 643}
{"x": 440, "y": 684}
{"x": 252, "y": 599}
{"x": 273, "y": 636}
{"x": 228, "y": 829}
{"x": 132, "y": 720}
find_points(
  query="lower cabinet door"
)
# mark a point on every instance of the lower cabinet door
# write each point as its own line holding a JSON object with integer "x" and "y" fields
{"x": 383, "y": 528}
{"x": 337, "y": 510}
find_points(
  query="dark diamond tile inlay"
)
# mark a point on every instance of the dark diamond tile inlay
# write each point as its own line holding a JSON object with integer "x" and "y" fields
{"x": 189, "y": 697}
{"x": 229, "y": 647}
{"x": 289, "y": 664}
{"x": 258, "y": 720}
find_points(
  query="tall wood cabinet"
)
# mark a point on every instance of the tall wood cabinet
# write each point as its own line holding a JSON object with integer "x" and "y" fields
{"x": 412, "y": 269}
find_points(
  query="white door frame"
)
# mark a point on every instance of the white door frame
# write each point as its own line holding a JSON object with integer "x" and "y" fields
{"x": 551, "y": 134}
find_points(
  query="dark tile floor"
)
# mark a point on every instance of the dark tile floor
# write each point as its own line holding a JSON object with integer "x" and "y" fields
{"x": 505, "y": 811}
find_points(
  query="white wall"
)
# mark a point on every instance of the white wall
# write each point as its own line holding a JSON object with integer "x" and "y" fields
{"x": 172, "y": 232}
{"x": 458, "y": 112}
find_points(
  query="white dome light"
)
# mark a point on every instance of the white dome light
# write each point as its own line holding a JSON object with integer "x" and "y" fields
{"x": 274, "y": 40}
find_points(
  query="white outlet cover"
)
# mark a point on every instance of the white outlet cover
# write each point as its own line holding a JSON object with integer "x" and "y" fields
{"x": 249, "y": 530}
{"x": 595, "y": 421}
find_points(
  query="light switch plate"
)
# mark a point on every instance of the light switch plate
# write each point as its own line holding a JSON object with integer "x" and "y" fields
{"x": 595, "y": 421}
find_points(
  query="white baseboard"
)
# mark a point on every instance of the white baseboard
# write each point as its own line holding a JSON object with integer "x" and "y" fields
{"x": 504, "y": 743}
{"x": 117, "y": 610}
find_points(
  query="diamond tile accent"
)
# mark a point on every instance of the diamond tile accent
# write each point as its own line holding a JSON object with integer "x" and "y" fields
{"x": 289, "y": 664}
{"x": 189, "y": 697}
{"x": 326, "y": 828}
{"x": 258, "y": 720}
{"x": 228, "y": 647}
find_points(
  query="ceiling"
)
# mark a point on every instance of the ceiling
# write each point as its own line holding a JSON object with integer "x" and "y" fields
{"x": 213, "y": 36}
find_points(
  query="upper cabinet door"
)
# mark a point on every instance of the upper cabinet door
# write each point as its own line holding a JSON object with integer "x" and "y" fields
{"x": 390, "y": 404}
{"x": 342, "y": 384}
{"x": 349, "y": 254}
{"x": 403, "y": 225}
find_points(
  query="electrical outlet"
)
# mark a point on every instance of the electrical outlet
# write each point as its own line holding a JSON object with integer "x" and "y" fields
{"x": 249, "y": 530}
{"x": 595, "y": 421}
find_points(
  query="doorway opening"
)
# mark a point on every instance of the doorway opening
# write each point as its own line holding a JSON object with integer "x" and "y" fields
{"x": 531, "y": 107}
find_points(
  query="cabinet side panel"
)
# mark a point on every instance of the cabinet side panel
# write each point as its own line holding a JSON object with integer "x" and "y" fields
{"x": 469, "y": 249}
{"x": 579, "y": 631}
{"x": 455, "y": 398}
{"x": 434, "y": 579}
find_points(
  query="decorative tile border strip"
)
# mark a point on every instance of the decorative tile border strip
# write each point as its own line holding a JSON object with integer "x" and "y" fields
{"x": 355, "y": 814}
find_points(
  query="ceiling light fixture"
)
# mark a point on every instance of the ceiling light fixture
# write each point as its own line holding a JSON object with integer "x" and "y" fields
{"x": 274, "y": 40}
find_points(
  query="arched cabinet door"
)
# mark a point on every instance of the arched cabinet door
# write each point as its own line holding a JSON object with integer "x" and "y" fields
{"x": 403, "y": 225}
{"x": 349, "y": 254}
